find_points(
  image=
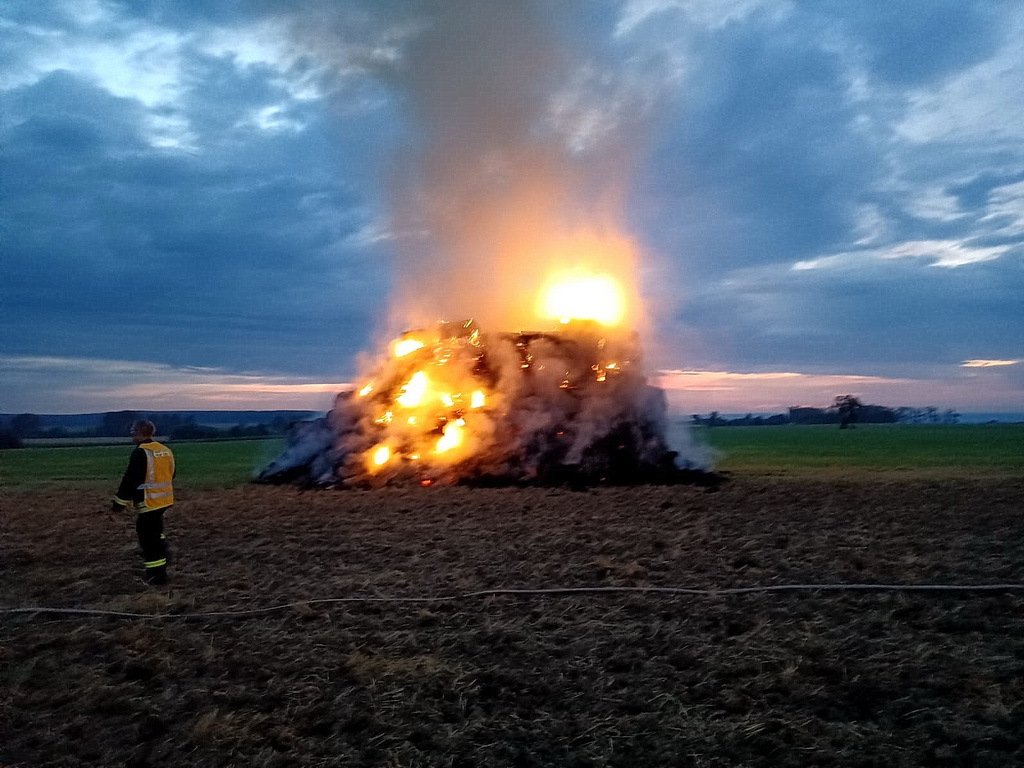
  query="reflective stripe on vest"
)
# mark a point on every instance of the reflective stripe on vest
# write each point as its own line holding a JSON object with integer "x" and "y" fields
{"x": 159, "y": 491}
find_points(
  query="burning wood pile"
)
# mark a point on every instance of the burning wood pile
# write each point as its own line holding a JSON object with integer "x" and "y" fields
{"x": 453, "y": 404}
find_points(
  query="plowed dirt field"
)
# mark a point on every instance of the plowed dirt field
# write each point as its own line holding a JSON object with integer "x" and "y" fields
{"x": 220, "y": 674}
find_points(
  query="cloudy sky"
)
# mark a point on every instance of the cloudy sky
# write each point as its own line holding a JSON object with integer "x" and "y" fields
{"x": 220, "y": 204}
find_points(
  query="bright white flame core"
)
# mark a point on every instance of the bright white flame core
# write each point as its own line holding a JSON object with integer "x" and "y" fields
{"x": 583, "y": 297}
{"x": 452, "y": 436}
{"x": 414, "y": 390}
{"x": 404, "y": 347}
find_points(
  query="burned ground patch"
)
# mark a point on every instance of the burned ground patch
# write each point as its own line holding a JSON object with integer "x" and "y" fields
{"x": 596, "y": 679}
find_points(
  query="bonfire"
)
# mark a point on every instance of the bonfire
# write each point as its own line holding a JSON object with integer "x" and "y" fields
{"x": 456, "y": 404}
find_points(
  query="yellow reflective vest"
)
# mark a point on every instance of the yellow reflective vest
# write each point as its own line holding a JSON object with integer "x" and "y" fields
{"x": 158, "y": 485}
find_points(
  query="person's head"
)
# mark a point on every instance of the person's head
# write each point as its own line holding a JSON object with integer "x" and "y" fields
{"x": 142, "y": 431}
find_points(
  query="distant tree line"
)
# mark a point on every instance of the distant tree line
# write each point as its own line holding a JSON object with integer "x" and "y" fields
{"x": 174, "y": 426}
{"x": 846, "y": 411}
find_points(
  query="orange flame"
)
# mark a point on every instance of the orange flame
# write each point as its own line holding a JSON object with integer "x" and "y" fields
{"x": 429, "y": 404}
{"x": 378, "y": 456}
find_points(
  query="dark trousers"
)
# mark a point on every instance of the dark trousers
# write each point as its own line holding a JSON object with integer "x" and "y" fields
{"x": 150, "y": 527}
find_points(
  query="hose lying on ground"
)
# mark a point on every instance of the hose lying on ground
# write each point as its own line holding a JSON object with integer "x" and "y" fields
{"x": 515, "y": 592}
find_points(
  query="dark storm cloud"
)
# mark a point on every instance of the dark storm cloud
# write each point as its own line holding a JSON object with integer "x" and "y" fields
{"x": 889, "y": 317}
{"x": 212, "y": 253}
{"x": 787, "y": 145}
{"x": 762, "y": 131}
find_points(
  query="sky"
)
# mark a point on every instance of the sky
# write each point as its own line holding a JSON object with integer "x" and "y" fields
{"x": 230, "y": 204}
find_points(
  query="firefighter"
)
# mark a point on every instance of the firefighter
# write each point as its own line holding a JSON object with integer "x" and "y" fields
{"x": 147, "y": 489}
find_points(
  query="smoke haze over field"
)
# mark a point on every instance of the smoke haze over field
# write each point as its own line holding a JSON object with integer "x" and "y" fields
{"x": 798, "y": 196}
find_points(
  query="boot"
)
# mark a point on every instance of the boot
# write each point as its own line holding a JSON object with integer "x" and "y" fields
{"x": 157, "y": 576}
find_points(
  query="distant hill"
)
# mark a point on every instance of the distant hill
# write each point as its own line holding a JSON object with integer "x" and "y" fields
{"x": 87, "y": 422}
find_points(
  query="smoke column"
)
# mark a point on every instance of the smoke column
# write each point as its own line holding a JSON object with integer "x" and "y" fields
{"x": 494, "y": 182}
{"x": 517, "y": 155}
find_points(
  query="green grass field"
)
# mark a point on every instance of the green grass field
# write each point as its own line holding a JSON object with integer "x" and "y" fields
{"x": 932, "y": 450}
{"x": 919, "y": 450}
{"x": 199, "y": 464}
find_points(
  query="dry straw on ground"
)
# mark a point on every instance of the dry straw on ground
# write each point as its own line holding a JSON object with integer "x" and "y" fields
{"x": 597, "y": 679}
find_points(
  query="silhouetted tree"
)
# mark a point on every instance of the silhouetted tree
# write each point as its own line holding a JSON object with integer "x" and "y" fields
{"x": 848, "y": 408}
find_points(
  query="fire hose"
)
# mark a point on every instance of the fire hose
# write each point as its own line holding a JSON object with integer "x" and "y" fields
{"x": 34, "y": 611}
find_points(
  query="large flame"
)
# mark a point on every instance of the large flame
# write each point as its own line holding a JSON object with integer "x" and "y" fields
{"x": 419, "y": 400}
{"x": 451, "y": 403}
{"x": 436, "y": 402}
